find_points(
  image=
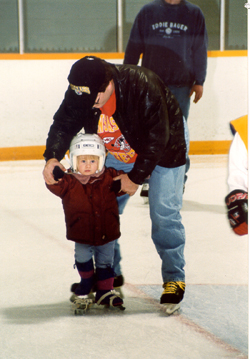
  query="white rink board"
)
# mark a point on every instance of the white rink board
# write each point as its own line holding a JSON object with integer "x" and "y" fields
{"x": 33, "y": 90}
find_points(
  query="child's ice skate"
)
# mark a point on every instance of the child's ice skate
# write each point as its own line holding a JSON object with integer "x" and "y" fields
{"x": 85, "y": 286}
{"x": 105, "y": 294}
{"x": 81, "y": 305}
{"x": 118, "y": 283}
{"x": 172, "y": 296}
{"x": 73, "y": 288}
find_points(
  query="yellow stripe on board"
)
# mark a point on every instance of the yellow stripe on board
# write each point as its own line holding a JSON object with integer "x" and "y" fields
{"x": 227, "y": 53}
{"x": 61, "y": 56}
{"x": 209, "y": 147}
{"x": 103, "y": 55}
{"x": 36, "y": 152}
{"x": 21, "y": 153}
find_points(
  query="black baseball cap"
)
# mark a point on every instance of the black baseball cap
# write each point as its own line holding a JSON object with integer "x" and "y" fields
{"x": 86, "y": 77}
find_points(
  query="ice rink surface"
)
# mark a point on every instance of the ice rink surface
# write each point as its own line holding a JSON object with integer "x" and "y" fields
{"x": 36, "y": 269}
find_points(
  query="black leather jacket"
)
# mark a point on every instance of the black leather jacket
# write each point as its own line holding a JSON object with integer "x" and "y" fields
{"x": 147, "y": 114}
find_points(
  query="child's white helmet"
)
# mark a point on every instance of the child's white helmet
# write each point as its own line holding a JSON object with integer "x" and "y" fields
{"x": 87, "y": 144}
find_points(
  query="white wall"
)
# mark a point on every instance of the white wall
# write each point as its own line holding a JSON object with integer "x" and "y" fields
{"x": 32, "y": 90}
{"x": 224, "y": 99}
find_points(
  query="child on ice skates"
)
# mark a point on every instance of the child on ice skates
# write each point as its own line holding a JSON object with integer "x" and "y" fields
{"x": 92, "y": 219}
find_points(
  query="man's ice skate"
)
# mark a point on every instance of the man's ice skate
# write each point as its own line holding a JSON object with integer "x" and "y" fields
{"x": 81, "y": 305}
{"x": 172, "y": 309}
{"x": 172, "y": 296}
{"x": 144, "y": 192}
{"x": 109, "y": 299}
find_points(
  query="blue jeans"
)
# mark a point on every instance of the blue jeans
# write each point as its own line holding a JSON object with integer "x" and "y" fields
{"x": 168, "y": 234}
{"x": 165, "y": 202}
{"x": 182, "y": 96}
{"x": 104, "y": 255}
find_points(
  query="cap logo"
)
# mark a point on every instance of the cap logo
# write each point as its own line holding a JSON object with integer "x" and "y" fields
{"x": 80, "y": 89}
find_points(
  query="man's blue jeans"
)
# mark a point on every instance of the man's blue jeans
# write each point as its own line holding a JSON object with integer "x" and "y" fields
{"x": 168, "y": 234}
{"x": 165, "y": 202}
{"x": 182, "y": 96}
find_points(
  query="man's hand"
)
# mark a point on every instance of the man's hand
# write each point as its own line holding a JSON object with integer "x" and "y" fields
{"x": 198, "y": 90}
{"x": 48, "y": 170}
{"x": 127, "y": 185}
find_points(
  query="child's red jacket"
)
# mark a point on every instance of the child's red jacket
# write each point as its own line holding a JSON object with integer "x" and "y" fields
{"x": 91, "y": 210}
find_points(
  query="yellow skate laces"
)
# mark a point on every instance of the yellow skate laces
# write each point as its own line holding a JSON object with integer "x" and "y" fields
{"x": 172, "y": 287}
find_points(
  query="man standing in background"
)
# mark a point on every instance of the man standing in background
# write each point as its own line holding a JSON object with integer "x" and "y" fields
{"x": 171, "y": 35}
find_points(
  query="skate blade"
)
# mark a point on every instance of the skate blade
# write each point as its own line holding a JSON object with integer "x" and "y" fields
{"x": 111, "y": 307}
{"x": 172, "y": 309}
{"x": 81, "y": 306}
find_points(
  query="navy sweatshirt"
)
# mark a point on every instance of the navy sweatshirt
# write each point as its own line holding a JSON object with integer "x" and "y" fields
{"x": 173, "y": 41}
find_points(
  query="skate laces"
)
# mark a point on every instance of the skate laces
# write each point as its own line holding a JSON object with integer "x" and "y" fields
{"x": 172, "y": 287}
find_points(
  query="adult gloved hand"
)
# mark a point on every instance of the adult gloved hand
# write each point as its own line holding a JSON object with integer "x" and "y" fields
{"x": 58, "y": 173}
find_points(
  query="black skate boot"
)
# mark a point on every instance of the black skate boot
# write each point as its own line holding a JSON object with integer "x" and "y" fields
{"x": 172, "y": 296}
{"x": 86, "y": 271}
{"x": 74, "y": 286}
{"x": 105, "y": 294}
{"x": 118, "y": 283}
